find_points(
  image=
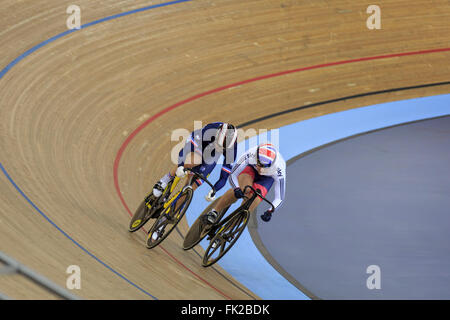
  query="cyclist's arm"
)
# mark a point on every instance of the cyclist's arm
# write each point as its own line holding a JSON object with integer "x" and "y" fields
{"x": 280, "y": 189}
{"x": 224, "y": 173}
{"x": 229, "y": 157}
{"x": 237, "y": 169}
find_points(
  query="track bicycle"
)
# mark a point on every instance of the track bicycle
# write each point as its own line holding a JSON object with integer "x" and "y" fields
{"x": 151, "y": 207}
{"x": 223, "y": 234}
{"x": 172, "y": 208}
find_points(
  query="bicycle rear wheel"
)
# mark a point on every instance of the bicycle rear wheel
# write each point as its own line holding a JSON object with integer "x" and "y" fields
{"x": 195, "y": 234}
{"x": 140, "y": 217}
{"x": 168, "y": 220}
{"x": 226, "y": 236}
{"x": 198, "y": 231}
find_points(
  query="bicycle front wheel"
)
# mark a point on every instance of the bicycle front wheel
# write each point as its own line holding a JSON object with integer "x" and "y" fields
{"x": 226, "y": 236}
{"x": 169, "y": 218}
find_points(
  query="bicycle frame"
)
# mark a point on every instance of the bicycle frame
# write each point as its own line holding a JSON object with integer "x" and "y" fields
{"x": 173, "y": 209}
{"x": 172, "y": 187}
{"x": 175, "y": 182}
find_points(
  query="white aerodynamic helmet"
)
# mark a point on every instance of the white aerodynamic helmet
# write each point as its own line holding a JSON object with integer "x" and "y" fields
{"x": 226, "y": 136}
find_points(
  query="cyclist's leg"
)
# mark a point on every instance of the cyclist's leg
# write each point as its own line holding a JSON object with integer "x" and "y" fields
{"x": 263, "y": 184}
{"x": 225, "y": 200}
{"x": 191, "y": 161}
{"x": 245, "y": 178}
{"x": 185, "y": 154}
{"x": 204, "y": 169}
{"x": 188, "y": 154}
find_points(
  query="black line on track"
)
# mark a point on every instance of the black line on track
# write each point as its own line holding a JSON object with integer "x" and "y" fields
{"x": 373, "y": 93}
{"x": 253, "y": 221}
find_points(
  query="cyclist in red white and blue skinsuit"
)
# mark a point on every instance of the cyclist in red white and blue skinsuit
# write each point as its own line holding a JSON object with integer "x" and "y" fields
{"x": 261, "y": 167}
{"x": 201, "y": 152}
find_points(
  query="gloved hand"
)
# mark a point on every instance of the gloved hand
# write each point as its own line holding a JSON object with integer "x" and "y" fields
{"x": 266, "y": 216}
{"x": 238, "y": 193}
{"x": 180, "y": 172}
{"x": 211, "y": 196}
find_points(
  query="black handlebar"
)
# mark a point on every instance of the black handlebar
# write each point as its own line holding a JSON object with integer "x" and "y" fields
{"x": 258, "y": 193}
{"x": 199, "y": 175}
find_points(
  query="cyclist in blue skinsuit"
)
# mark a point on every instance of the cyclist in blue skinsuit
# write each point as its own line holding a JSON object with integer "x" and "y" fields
{"x": 201, "y": 152}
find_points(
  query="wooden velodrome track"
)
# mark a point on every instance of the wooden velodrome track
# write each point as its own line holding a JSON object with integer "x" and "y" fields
{"x": 67, "y": 109}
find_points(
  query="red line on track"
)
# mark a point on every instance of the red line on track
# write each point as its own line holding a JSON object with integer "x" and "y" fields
{"x": 206, "y": 93}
